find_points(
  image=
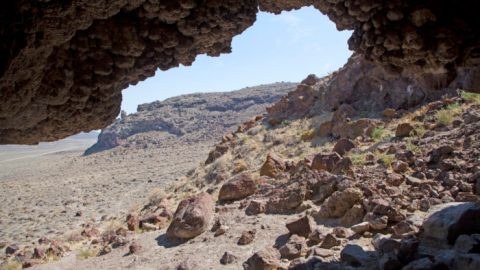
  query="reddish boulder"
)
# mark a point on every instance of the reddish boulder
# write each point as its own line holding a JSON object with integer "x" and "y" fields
{"x": 266, "y": 259}
{"x": 325, "y": 162}
{"x": 403, "y": 130}
{"x": 193, "y": 216}
{"x": 273, "y": 166}
{"x": 255, "y": 208}
{"x": 340, "y": 202}
{"x": 343, "y": 146}
{"x": 247, "y": 237}
{"x": 303, "y": 226}
{"x": 286, "y": 200}
{"x": 239, "y": 187}
{"x": 295, "y": 247}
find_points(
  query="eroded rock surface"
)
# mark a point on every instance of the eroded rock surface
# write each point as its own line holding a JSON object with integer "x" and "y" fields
{"x": 63, "y": 64}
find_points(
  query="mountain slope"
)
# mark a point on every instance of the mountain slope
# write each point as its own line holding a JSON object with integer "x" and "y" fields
{"x": 195, "y": 117}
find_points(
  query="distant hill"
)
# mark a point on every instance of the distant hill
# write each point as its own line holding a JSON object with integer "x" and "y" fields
{"x": 200, "y": 117}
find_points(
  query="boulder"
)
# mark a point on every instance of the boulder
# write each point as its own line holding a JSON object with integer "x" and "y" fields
{"x": 273, "y": 166}
{"x": 446, "y": 222}
{"x": 340, "y": 202}
{"x": 389, "y": 113}
{"x": 354, "y": 255}
{"x": 353, "y": 216}
{"x": 303, "y": 226}
{"x": 403, "y": 130}
{"x": 295, "y": 247}
{"x": 325, "y": 162}
{"x": 255, "y": 207}
{"x": 288, "y": 200}
{"x": 325, "y": 129}
{"x": 343, "y": 146}
{"x": 239, "y": 187}
{"x": 192, "y": 217}
{"x": 265, "y": 259}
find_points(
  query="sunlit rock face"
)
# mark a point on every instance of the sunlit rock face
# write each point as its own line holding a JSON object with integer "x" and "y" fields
{"x": 63, "y": 64}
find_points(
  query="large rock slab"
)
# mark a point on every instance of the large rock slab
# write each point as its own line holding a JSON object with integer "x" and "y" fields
{"x": 446, "y": 222}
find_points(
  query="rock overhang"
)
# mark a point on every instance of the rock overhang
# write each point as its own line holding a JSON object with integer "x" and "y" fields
{"x": 63, "y": 64}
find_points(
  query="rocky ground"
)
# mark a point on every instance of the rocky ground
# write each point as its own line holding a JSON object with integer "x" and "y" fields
{"x": 346, "y": 189}
{"x": 52, "y": 190}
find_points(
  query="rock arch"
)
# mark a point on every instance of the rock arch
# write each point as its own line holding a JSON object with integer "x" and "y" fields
{"x": 63, "y": 64}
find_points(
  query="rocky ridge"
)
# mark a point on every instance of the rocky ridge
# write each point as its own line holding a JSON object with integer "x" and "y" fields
{"x": 193, "y": 118}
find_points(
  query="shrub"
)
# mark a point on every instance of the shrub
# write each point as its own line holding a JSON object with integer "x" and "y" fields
{"x": 12, "y": 265}
{"x": 385, "y": 159}
{"x": 378, "y": 133}
{"x": 87, "y": 253}
{"x": 285, "y": 123}
{"x": 358, "y": 159}
{"x": 471, "y": 97}
{"x": 308, "y": 135}
{"x": 156, "y": 196}
{"x": 418, "y": 131}
{"x": 412, "y": 147}
{"x": 240, "y": 166}
{"x": 444, "y": 117}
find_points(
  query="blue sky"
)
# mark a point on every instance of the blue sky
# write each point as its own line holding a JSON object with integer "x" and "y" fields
{"x": 285, "y": 47}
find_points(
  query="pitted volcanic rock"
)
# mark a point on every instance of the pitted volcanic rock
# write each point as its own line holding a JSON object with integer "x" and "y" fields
{"x": 63, "y": 64}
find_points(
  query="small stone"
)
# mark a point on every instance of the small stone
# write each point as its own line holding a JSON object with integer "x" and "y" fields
{"x": 340, "y": 232}
{"x": 11, "y": 249}
{"x": 221, "y": 230}
{"x": 134, "y": 248}
{"x": 395, "y": 179}
{"x": 379, "y": 223}
{"x": 316, "y": 237}
{"x": 330, "y": 241}
{"x": 361, "y": 227}
{"x": 399, "y": 166}
{"x": 247, "y": 237}
{"x": 228, "y": 258}
{"x": 255, "y": 208}
{"x": 389, "y": 113}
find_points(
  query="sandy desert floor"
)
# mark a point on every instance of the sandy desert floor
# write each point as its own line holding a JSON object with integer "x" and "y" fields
{"x": 50, "y": 189}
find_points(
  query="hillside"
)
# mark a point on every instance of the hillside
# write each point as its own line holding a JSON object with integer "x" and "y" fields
{"x": 339, "y": 174}
{"x": 193, "y": 118}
